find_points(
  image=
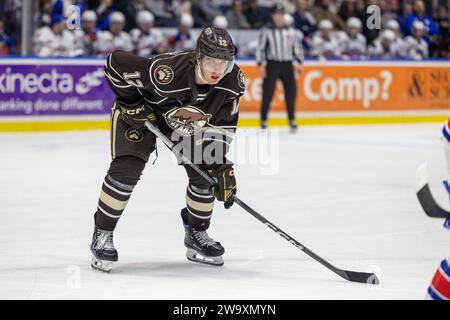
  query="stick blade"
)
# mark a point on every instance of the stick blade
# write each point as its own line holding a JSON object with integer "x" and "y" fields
{"x": 426, "y": 200}
{"x": 362, "y": 277}
{"x": 429, "y": 205}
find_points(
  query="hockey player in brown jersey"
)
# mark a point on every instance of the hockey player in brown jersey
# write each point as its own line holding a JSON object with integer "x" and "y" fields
{"x": 193, "y": 98}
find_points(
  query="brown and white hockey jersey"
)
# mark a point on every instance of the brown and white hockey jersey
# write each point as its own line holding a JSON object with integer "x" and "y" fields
{"x": 166, "y": 83}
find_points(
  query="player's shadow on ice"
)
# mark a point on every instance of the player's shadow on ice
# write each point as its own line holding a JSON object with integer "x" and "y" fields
{"x": 185, "y": 269}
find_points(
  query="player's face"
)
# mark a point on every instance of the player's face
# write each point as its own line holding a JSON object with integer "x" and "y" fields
{"x": 214, "y": 69}
{"x": 353, "y": 31}
{"x": 418, "y": 33}
{"x": 326, "y": 33}
{"x": 89, "y": 26}
{"x": 59, "y": 27}
{"x": 146, "y": 27}
{"x": 116, "y": 27}
{"x": 386, "y": 43}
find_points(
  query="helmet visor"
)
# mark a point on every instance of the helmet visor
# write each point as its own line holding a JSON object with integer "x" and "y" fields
{"x": 216, "y": 65}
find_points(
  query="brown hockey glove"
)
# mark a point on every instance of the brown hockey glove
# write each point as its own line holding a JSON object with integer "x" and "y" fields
{"x": 135, "y": 115}
{"x": 225, "y": 188}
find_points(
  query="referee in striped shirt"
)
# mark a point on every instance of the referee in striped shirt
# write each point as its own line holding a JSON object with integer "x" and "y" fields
{"x": 279, "y": 56}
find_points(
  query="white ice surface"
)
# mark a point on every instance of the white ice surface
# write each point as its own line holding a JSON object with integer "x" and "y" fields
{"x": 347, "y": 193}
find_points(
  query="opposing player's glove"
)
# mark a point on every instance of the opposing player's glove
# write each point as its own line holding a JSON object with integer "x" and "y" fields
{"x": 225, "y": 188}
{"x": 135, "y": 115}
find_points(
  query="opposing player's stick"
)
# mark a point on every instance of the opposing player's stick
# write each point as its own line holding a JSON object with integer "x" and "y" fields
{"x": 353, "y": 276}
{"x": 426, "y": 199}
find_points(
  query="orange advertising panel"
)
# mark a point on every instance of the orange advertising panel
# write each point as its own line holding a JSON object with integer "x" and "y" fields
{"x": 363, "y": 86}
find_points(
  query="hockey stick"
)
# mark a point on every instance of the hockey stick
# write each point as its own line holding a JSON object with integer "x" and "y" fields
{"x": 353, "y": 276}
{"x": 429, "y": 205}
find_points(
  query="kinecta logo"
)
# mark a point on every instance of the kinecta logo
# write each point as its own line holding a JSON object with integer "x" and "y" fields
{"x": 48, "y": 82}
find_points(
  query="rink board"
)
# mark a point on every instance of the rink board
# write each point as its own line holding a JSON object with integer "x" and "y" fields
{"x": 72, "y": 94}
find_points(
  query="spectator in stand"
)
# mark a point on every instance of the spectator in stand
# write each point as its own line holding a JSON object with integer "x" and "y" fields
{"x": 321, "y": 11}
{"x": 147, "y": 40}
{"x": 256, "y": 17}
{"x": 360, "y": 5}
{"x": 442, "y": 19}
{"x": 185, "y": 39}
{"x": 209, "y": 10}
{"x": 304, "y": 19}
{"x": 115, "y": 38}
{"x": 7, "y": 45}
{"x": 394, "y": 26}
{"x": 354, "y": 43}
{"x": 236, "y": 18}
{"x": 388, "y": 10}
{"x": 289, "y": 22}
{"x": 419, "y": 14}
{"x": 432, "y": 31}
{"x": 130, "y": 11}
{"x": 87, "y": 36}
{"x": 220, "y": 22}
{"x": 55, "y": 40}
{"x": 121, "y": 39}
{"x": 181, "y": 6}
{"x": 415, "y": 46}
{"x": 384, "y": 46}
{"x": 164, "y": 17}
{"x": 347, "y": 10}
{"x": 407, "y": 10}
{"x": 103, "y": 11}
{"x": 45, "y": 12}
{"x": 324, "y": 44}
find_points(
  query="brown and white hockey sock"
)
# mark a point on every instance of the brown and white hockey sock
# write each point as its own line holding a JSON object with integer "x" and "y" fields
{"x": 199, "y": 204}
{"x": 113, "y": 200}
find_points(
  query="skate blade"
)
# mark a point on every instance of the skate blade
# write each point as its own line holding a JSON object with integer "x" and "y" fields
{"x": 195, "y": 256}
{"x": 101, "y": 265}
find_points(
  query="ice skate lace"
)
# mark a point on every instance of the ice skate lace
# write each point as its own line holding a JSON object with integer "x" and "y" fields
{"x": 203, "y": 238}
{"x": 104, "y": 240}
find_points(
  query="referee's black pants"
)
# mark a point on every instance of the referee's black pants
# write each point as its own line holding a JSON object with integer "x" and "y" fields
{"x": 285, "y": 72}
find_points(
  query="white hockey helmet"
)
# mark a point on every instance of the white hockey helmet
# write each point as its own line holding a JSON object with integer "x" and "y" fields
{"x": 325, "y": 25}
{"x": 220, "y": 22}
{"x": 89, "y": 15}
{"x": 144, "y": 17}
{"x": 186, "y": 20}
{"x": 388, "y": 35}
{"x": 116, "y": 17}
{"x": 288, "y": 20}
{"x": 419, "y": 25}
{"x": 392, "y": 25}
{"x": 354, "y": 23}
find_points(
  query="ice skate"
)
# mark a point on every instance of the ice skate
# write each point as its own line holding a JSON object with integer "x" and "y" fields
{"x": 264, "y": 124}
{"x": 292, "y": 126}
{"x": 200, "y": 247}
{"x": 104, "y": 253}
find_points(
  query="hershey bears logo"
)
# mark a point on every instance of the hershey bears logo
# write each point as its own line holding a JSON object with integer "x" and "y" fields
{"x": 134, "y": 135}
{"x": 186, "y": 120}
{"x": 163, "y": 74}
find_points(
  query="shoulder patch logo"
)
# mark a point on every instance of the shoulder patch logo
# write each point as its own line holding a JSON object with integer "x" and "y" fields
{"x": 134, "y": 135}
{"x": 163, "y": 74}
{"x": 186, "y": 120}
{"x": 241, "y": 79}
